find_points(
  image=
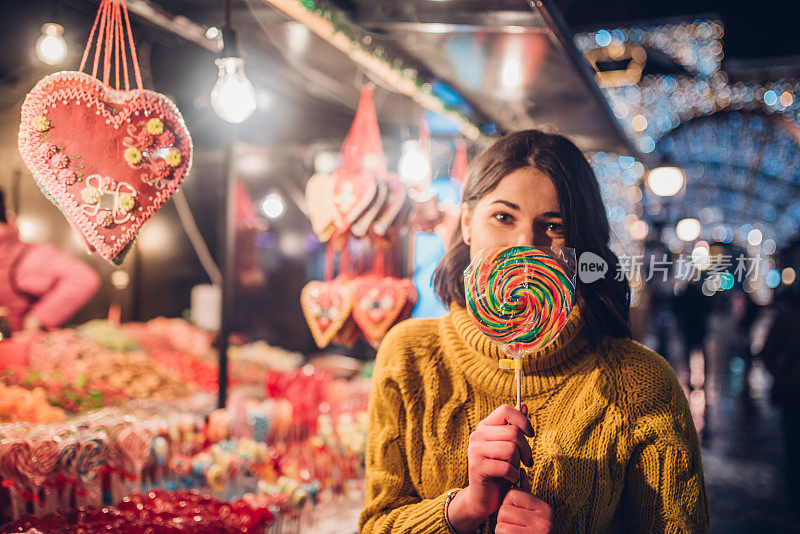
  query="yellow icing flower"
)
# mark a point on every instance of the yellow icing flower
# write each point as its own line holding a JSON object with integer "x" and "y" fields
{"x": 133, "y": 155}
{"x": 155, "y": 126}
{"x": 173, "y": 159}
{"x": 90, "y": 195}
{"x": 41, "y": 124}
{"x": 125, "y": 202}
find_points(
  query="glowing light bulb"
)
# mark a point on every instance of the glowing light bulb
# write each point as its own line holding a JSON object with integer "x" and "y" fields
{"x": 233, "y": 97}
{"x": 272, "y": 206}
{"x": 414, "y": 168}
{"x": 51, "y": 48}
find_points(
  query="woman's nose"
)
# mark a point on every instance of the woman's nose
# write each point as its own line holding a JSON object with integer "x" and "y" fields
{"x": 530, "y": 238}
{"x": 524, "y": 238}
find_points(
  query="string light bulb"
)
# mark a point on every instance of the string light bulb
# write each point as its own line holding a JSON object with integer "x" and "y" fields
{"x": 233, "y": 97}
{"x": 51, "y": 48}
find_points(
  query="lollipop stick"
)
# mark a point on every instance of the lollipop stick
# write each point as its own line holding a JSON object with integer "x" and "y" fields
{"x": 518, "y": 382}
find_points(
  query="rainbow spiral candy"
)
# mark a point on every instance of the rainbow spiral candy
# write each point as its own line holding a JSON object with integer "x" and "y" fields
{"x": 518, "y": 296}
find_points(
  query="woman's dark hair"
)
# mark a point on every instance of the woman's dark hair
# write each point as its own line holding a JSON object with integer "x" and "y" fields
{"x": 607, "y": 300}
{"x": 2, "y": 208}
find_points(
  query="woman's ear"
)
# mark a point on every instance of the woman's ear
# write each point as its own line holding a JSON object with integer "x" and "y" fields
{"x": 465, "y": 223}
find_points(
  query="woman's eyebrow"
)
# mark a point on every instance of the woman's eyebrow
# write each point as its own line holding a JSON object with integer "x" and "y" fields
{"x": 507, "y": 203}
{"x": 552, "y": 214}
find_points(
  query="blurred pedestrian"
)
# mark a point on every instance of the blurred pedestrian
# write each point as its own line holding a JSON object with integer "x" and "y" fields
{"x": 781, "y": 355}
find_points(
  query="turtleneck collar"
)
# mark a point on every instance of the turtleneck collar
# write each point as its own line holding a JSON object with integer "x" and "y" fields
{"x": 542, "y": 370}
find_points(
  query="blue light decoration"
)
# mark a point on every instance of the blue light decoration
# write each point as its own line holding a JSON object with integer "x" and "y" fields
{"x": 737, "y": 142}
{"x": 428, "y": 251}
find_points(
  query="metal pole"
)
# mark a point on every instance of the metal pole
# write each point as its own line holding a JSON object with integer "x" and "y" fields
{"x": 227, "y": 251}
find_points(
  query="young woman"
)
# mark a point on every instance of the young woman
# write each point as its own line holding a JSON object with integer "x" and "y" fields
{"x": 604, "y": 440}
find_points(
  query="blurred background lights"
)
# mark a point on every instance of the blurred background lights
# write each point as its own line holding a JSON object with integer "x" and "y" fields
{"x": 212, "y": 33}
{"x": 414, "y": 167}
{"x": 120, "y": 279}
{"x": 512, "y": 71}
{"x": 273, "y": 206}
{"x": 788, "y": 276}
{"x": 772, "y": 278}
{"x": 51, "y": 48}
{"x": 665, "y": 181}
{"x": 701, "y": 258}
{"x": 639, "y": 230}
{"x": 603, "y": 38}
{"x": 688, "y": 229}
{"x": 754, "y": 237}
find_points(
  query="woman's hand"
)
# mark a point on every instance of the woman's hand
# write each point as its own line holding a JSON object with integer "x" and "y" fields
{"x": 522, "y": 513}
{"x": 495, "y": 450}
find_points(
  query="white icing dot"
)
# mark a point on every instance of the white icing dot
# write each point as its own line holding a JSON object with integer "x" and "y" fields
{"x": 88, "y": 104}
{"x": 150, "y": 198}
{"x": 108, "y": 121}
{"x": 127, "y": 120}
{"x": 116, "y": 126}
{"x": 66, "y": 102}
{"x": 97, "y": 112}
{"x": 136, "y": 113}
{"x": 52, "y": 106}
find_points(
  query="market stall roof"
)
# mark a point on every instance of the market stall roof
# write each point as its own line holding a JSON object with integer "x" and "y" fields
{"x": 513, "y": 60}
{"x": 502, "y": 66}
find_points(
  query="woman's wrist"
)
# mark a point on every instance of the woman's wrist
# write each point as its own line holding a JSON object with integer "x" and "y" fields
{"x": 461, "y": 513}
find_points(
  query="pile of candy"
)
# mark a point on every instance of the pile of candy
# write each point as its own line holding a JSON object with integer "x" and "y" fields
{"x": 20, "y": 404}
{"x": 157, "y": 512}
{"x": 83, "y": 369}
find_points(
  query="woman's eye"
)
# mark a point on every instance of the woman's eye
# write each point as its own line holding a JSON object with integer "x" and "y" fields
{"x": 555, "y": 227}
{"x": 503, "y": 217}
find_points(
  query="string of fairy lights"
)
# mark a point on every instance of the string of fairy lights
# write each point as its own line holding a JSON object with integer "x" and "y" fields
{"x": 725, "y": 137}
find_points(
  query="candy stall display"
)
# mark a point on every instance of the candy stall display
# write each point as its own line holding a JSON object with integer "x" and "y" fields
{"x": 288, "y": 461}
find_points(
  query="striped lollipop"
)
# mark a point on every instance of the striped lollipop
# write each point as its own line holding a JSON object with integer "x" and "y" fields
{"x": 520, "y": 297}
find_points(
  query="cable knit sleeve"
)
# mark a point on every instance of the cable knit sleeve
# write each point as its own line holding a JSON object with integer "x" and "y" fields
{"x": 664, "y": 487}
{"x": 392, "y": 502}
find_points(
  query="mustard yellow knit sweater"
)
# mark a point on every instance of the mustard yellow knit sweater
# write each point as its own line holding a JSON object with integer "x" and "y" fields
{"x": 615, "y": 448}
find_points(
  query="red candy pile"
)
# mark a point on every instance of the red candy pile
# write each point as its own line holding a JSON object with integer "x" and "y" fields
{"x": 157, "y": 512}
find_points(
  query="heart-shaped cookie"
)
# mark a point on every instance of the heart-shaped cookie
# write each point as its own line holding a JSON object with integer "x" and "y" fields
{"x": 318, "y": 205}
{"x": 326, "y": 307}
{"x": 378, "y": 302}
{"x": 363, "y": 224}
{"x": 109, "y": 159}
{"x": 395, "y": 199}
{"x": 351, "y": 194}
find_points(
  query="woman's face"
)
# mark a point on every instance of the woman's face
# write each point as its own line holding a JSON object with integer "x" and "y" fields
{"x": 522, "y": 210}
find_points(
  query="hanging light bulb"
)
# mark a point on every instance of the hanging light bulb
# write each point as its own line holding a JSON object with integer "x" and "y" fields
{"x": 233, "y": 97}
{"x": 414, "y": 167}
{"x": 51, "y": 48}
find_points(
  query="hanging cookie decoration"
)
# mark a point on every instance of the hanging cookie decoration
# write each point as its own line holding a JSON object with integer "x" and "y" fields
{"x": 107, "y": 157}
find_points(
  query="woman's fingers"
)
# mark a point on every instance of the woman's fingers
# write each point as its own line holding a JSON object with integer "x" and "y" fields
{"x": 491, "y": 468}
{"x": 534, "y": 526}
{"x": 508, "y": 415}
{"x": 509, "y": 433}
{"x": 506, "y": 451}
{"x": 516, "y": 499}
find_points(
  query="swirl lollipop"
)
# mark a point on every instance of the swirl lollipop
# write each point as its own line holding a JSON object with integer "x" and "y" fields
{"x": 520, "y": 297}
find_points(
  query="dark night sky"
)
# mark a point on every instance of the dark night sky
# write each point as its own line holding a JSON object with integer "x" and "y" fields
{"x": 753, "y": 30}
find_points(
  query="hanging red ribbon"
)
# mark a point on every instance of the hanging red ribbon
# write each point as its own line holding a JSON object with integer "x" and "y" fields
{"x": 109, "y": 40}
